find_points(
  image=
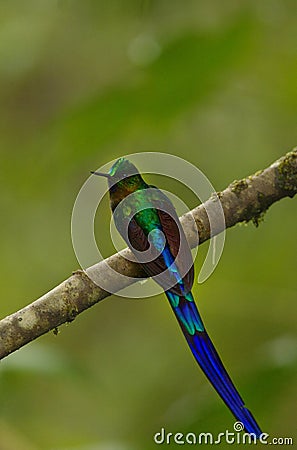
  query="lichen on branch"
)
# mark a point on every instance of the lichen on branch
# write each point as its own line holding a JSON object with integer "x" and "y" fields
{"x": 242, "y": 201}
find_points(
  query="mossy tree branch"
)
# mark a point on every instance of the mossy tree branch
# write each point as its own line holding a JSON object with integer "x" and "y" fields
{"x": 242, "y": 201}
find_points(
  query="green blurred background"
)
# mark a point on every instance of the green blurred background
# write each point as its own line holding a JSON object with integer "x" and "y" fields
{"x": 84, "y": 82}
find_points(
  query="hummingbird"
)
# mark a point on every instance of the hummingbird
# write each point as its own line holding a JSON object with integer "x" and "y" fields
{"x": 147, "y": 220}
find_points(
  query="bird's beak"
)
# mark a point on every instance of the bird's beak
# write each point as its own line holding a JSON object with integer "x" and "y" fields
{"x": 101, "y": 174}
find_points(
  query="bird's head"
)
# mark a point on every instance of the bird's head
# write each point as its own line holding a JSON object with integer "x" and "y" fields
{"x": 119, "y": 171}
{"x": 123, "y": 178}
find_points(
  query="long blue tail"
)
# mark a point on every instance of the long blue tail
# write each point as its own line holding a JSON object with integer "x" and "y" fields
{"x": 208, "y": 359}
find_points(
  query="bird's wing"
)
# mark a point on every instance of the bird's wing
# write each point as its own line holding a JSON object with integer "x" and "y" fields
{"x": 173, "y": 269}
{"x": 157, "y": 266}
{"x": 208, "y": 359}
{"x": 179, "y": 247}
{"x": 175, "y": 236}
